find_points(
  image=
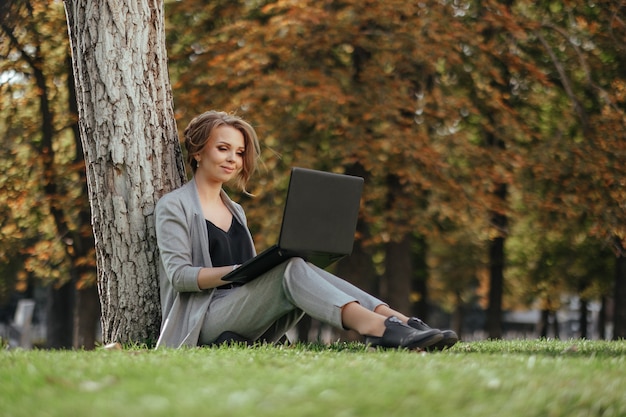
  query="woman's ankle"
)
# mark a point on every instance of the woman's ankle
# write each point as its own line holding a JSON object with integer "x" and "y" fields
{"x": 385, "y": 310}
{"x": 365, "y": 322}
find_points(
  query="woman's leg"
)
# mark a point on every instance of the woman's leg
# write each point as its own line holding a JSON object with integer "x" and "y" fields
{"x": 253, "y": 309}
{"x": 365, "y": 322}
{"x": 268, "y": 302}
{"x": 387, "y": 311}
{"x": 375, "y": 304}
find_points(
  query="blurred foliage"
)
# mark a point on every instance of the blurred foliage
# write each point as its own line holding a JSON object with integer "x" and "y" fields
{"x": 445, "y": 100}
{"x": 43, "y": 201}
{"x": 451, "y": 99}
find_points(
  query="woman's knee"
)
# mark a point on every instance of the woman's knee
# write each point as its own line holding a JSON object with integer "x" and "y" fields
{"x": 297, "y": 263}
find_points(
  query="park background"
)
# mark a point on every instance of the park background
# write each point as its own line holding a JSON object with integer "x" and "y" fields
{"x": 490, "y": 135}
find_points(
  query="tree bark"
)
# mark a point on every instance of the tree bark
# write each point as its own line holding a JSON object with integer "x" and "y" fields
{"x": 132, "y": 152}
{"x": 87, "y": 302}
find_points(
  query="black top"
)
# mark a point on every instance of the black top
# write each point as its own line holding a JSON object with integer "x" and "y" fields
{"x": 230, "y": 247}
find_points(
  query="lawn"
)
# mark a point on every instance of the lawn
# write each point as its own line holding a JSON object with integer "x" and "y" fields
{"x": 490, "y": 378}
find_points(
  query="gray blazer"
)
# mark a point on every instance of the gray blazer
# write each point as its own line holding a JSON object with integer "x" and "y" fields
{"x": 182, "y": 238}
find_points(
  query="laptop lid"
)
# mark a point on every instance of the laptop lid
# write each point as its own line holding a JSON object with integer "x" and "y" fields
{"x": 319, "y": 221}
{"x": 321, "y": 212}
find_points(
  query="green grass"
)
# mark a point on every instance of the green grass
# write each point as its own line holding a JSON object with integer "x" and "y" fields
{"x": 491, "y": 378}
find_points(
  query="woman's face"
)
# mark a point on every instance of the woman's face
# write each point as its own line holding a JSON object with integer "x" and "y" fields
{"x": 221, "y": 159}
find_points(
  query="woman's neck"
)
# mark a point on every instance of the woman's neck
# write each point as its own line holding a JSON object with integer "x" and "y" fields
{"x": 209, "y": 192}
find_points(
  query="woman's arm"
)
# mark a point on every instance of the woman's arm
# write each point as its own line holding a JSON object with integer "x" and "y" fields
{"x": 174, "y": 239}
{"x": 212, "y": 277}
{"x": 175, "y": 246}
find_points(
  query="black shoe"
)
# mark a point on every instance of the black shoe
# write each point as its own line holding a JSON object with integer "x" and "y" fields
{"x": 231, "y": 338}
{"x": 399, "y": 335}
{"x": 449, "y": 337}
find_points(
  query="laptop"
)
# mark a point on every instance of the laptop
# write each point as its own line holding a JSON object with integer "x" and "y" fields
{"x": 319, "y": 222}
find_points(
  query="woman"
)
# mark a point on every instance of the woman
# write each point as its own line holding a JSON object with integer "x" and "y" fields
{"x": 202, "y": 235}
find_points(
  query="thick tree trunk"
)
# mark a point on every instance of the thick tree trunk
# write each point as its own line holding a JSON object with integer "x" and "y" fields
{"x": 87, "y": 305}
{"x": 131, "y": 149}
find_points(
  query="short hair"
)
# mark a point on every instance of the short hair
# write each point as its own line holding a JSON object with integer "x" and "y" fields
{"x": 199, "y": 131}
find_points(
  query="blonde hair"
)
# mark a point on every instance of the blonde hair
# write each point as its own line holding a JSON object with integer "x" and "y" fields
{"x": 199, "y": 131}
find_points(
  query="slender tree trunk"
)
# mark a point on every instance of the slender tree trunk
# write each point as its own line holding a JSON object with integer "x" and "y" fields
{"x": 582, "y": 319}
{"x": 619, "y": 293}
{"x": 396, "y": 284}
{"x": 86, "y": 317}
{"x": 398, "y": 274}
{"x": 59, "y": 316}
{"x": 496, "y": 284}
{"x": 602, "y": 319}
{"x": 419, "y": 283}
{"x": 556, "y": 326}
{"x": 457, "y": 316}
{"x": 359, "y": 270}
{"x": 544, "y": 323}
{"x": 131, "y": 148}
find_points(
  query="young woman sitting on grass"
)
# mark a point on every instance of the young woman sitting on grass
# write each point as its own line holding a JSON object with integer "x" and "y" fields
{"x": 203, "y": 235}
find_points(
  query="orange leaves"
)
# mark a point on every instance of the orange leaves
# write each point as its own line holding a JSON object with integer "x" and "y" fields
{"x": 452, "y": 99}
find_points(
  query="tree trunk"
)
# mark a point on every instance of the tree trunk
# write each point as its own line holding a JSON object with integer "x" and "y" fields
{"x": 396, "y": 284}
{"x": 602, "y": 319}
{"x": 456, "y": 322}
{"x": 582, "y": 319}
{"x": 131, "y": 150}
{"x": 87, "y": 308}
{"x": 496, "y": 288}
{"x": 398, "y": 273}
{"x": 59, "y": 315}
{"x": 496, "y": 270}
{"x": 619, "y": 293}
{"x": 544, "y": 323}
{"x": 419, "y": 282}
{"x": 86, "y": 316}
{"x": 555, "y": 326}
{"x": 358, "y": 268}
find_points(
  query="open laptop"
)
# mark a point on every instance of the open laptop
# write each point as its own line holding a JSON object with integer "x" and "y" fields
{"x": 319, "y": 221}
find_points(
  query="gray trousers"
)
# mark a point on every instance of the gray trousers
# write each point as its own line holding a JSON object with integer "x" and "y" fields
{"x": 267, "y": 307}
